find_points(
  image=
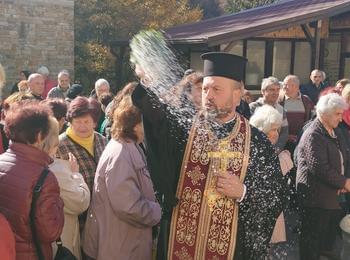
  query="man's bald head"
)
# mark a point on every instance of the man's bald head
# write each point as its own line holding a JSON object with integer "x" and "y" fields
{"x": 36, "y": 84}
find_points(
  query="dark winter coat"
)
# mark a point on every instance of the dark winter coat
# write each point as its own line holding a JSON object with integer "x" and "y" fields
{"x": 319, "y": 174}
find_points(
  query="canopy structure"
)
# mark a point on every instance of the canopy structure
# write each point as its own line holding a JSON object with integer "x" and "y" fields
{"x": 256, "y": 21}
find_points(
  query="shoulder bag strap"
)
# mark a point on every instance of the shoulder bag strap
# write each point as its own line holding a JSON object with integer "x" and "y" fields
{"x": 36, "y": 192}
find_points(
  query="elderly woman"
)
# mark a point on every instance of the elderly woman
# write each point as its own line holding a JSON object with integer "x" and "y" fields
{"x": 80, "y": 139}
{"x": 20, "y": 168}
{"x": 268, "y": 120}
{"x": 270, "y": 90}
{"x": 123, "y": 207}
{"x": 323, "y": 163}
{"x": 73, "y": 189}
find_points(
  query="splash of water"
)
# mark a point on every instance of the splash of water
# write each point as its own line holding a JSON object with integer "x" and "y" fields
{"x": 150, "y": 51}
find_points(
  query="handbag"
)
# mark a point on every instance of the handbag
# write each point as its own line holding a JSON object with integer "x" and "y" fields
{"x": 63, "y": 253}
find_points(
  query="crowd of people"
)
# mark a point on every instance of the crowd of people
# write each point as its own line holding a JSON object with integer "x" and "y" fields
{"x": 118, "y": 177}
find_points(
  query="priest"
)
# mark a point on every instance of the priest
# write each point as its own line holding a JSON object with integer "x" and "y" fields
{"x": 218, "y": 178}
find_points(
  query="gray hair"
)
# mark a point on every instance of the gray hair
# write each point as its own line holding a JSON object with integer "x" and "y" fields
{"x": 264, "y": 117}
{"x": 293, "y": 78}
{"x": 270, "y": 81}
{"x": 63, "y": 72}
{"x": 43, "y": 70}
{"x": 329, "y": 103}
{"x": 323, "y": 74}
{"x": 101, "y": 82}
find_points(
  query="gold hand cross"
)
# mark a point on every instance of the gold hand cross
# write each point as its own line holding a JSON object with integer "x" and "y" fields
{"x": 224, "y": 155}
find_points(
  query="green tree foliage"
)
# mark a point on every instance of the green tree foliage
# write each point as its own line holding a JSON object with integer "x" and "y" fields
{"x": 97, "y": 22}
{"x": 234, "y": 6}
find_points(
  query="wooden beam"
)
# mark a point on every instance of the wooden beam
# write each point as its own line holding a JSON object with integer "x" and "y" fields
{"x": 229, "y": 46}
{"x": 318, "y": 43}
{"x": 308, "y": 34}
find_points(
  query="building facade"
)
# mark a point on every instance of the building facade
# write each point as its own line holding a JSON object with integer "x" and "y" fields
{"x": 35, "y": 33}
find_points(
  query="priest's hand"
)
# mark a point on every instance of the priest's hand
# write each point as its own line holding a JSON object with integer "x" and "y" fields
{"x": 230, "y": 185}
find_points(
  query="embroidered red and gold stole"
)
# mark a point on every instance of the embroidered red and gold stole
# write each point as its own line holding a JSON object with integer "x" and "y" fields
{"x": 204, "y": 223}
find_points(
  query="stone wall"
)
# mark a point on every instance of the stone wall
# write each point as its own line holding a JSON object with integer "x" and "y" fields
{"x": 34, "y": 33}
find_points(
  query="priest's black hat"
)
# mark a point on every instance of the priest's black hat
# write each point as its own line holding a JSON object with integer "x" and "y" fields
{"x": 224, "y": 65}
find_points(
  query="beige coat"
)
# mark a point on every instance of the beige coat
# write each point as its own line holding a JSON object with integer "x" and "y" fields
{"x": 279, "y": 231}
{"x": 76, "y": 197}
{"x": 123, "y": 207}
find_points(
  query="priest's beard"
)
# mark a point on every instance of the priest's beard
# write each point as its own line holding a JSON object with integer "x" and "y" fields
{"x": 213, "y": 113}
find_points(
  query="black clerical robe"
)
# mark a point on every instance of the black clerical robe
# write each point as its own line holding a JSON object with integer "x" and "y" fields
{"x": 267, "y": 191}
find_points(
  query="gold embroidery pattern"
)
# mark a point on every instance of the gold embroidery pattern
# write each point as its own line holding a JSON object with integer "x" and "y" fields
{"x": 196, "y": 175}
{"x": 183, "y": 254}
{"x": 220, "y": 230}
{"x": 235, "y": 163}
{"x": 188, "y": 216}
{"x": 201, "y": 147}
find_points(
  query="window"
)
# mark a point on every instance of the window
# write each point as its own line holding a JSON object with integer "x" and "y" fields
{"x": 302, "y": 61}
{"x": 256, "y": 62}
{"x": 332, "y": 58}
{"x": 281, "y": 59}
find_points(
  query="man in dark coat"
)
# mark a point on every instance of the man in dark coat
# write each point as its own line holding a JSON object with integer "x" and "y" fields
{"x": 315, "y": 86}
{"x": 257, "y": 190}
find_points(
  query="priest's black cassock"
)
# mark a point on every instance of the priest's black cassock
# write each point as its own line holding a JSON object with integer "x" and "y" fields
{"x": 266, "y": 195}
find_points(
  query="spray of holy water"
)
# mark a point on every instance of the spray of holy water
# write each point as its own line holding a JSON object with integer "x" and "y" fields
{"x": 150, "y": 51}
